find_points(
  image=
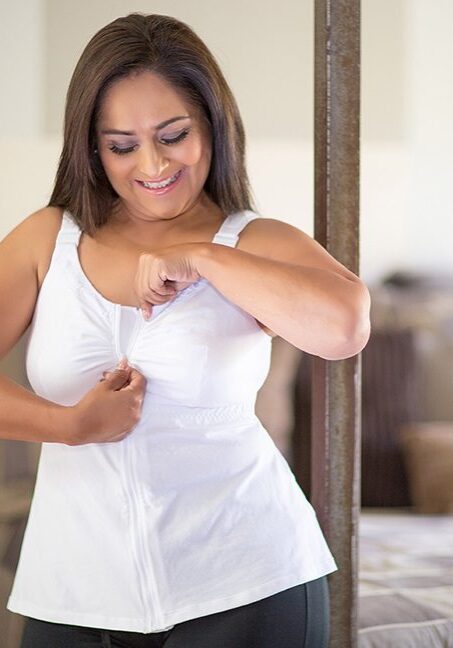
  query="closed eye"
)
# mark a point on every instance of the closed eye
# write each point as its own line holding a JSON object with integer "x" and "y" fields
{"x": 174, "y": 140}
{"x": 168, "y": 141}
{"x": 121, "y": 151}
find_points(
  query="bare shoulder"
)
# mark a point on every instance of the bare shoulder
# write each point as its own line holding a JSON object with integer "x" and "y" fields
{"x": 34, "y": 230}
{"x": 48, "y": 224}
{"x": 33, "y": 239}
{"x": 262, "y": 235}
{"x": 280, "y": 241}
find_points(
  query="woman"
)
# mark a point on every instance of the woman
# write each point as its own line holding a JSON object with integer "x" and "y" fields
{"x": 163, "y": 513}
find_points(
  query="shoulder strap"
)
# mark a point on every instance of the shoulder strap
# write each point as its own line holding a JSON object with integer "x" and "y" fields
{"x": 69, "y": 231}
{"x": 228, "y": 234}
{"x": 232, "y": 226}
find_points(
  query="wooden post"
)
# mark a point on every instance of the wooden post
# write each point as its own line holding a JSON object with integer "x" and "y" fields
{"x": 335, "y": 442}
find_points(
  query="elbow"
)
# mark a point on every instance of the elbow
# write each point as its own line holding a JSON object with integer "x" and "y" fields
{"x": 355, "y": 328}
{"x": 352, "y": 345}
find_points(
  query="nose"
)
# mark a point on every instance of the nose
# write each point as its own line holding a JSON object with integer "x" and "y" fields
{"x": 151, "y": 163}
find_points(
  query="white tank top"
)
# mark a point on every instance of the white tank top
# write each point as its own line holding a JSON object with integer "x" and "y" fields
{"x": 196, "y": 511}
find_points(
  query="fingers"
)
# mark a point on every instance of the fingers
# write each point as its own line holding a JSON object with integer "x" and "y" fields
{"x": 149, "y": 297}
{"x": 117, "y": 378}
{"x": 181, "y": 285}
{"x": 162, "y": 290}
{"x": 137, "y": 381}
{"x": 132, "y": 379}
{"x": 147, "y": 309}
{"x": 131, "y": 384}
{"x": 122, "y": 369}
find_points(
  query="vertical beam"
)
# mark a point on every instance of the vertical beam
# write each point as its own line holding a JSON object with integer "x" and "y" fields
{"x": 335, "y": 467}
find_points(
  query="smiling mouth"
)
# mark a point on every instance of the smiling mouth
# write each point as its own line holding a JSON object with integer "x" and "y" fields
{"x": 162, "y": 184}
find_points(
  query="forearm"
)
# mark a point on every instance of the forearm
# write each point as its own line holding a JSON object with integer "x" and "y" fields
{"x": 24, "y": 416}
{"x": 316, "y": 310}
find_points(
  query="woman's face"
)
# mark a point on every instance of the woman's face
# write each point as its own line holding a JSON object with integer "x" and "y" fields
{"x": 148, "y": 135}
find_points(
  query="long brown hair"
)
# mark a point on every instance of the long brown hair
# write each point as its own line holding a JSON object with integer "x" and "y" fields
{"x": 170, "y": 48}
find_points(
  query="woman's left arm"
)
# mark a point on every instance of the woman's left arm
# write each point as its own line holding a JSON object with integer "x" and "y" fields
{"x": 292, "y": 286}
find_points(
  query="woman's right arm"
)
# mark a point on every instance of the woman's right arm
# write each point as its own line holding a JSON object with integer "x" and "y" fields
{"x": 107, "y": 412}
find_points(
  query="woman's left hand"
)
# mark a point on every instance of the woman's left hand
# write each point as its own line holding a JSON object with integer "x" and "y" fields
{"x": 164, "y": 273}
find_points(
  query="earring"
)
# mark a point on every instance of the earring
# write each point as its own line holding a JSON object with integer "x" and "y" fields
{"x": 95, "y": 151}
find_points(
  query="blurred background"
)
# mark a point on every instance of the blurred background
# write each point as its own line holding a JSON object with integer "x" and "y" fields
{"x": 266, "y": 53}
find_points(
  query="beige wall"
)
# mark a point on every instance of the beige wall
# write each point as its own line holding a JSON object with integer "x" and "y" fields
{"x": 22, "y": 68}
{"x": 268, "y": 64}
{"x": 430, "y": 83}
{"x": 266, "y": 52}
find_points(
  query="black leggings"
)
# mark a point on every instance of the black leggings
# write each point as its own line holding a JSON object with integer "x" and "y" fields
{"x": 297, "y": 617}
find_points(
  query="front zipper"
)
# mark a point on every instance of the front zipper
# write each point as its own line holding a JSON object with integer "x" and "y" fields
{"x": 149, "y": 588}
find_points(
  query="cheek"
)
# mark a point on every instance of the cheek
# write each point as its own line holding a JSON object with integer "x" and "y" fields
{"x": 115, "y": 169}
{"x": 197, "y": 154}
{"x": 191, "y": 155}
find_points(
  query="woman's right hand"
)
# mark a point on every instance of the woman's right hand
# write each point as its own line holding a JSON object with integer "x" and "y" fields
{"x": 111, "y": 409}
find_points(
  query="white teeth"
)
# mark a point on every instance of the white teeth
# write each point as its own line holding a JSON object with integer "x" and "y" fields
{"x": 161, "y": 185}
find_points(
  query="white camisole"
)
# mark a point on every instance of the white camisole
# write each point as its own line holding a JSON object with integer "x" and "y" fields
{"x": 196, "y": 511}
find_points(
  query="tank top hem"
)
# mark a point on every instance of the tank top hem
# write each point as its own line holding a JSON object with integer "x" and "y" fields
{"x": 171, "y": 618}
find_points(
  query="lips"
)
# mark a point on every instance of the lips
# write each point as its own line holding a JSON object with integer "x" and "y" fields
{"x": 161, "y": 186}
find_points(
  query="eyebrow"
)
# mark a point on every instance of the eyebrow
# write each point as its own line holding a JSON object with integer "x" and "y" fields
{"x": 114, "y": 131}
